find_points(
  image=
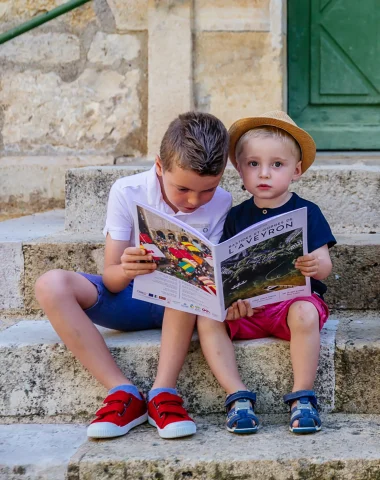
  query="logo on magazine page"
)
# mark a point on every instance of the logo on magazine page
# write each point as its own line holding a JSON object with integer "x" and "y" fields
{"x": 184, "y": 305}
{"x": 205, "y": 310}
{"x": 142, "y": 293}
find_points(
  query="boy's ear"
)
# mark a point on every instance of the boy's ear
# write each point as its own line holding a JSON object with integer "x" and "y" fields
{"x": 159, "y": 168}
{"x": 298, "y": 171}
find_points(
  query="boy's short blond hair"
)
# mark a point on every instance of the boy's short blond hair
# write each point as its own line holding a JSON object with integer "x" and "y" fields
{"x": 269, "y": 132}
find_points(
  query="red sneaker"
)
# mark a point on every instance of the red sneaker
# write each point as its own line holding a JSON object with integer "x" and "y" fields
{"x": 122, "y": 412}
{"x": 167, "y": 414}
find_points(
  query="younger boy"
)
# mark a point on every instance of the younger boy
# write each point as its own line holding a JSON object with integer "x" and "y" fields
{"x": 270, "y": 152}
{"x": 183, "y": 183}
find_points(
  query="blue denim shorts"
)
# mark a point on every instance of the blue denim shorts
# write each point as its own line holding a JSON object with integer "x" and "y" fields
{"x": 120, "y": 311}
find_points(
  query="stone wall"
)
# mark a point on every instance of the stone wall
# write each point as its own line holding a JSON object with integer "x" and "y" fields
{"x": 99, "y": 85}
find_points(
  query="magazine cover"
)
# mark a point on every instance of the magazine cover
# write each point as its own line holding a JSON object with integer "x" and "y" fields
{"x": 195, "y": 276}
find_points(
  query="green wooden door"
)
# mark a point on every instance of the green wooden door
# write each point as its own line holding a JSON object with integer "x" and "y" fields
{"x": 334, "y": 71}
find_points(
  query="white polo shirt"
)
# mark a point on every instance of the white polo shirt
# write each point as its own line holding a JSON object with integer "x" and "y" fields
{"x": 145, "y": 188}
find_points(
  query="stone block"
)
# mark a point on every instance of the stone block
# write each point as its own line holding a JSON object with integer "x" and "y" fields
{"x": 354, "y": 282}
{"x": 357, "y": 363}
{"x": 113, "y": 49}
{"x": 346, "y": 194}
{"x": 131, "y": 15}
{"x": 232, "y": 15}
{"x": 12, "y": 234}
{"x": 91, "y": 115}
{"x": 237, "y": 74}
{"x": 170, "y": 54}
{"x": 42, "y": 379}
{"x": 48, "y": 49}
{"x": 17, "y": 11}
{"x": 62, "y": 251}
{"x": 87, "y": 193}
{"x": 11, "y": 276}
{"x": 38, "y": 452}
{"x": 35, "y": 184}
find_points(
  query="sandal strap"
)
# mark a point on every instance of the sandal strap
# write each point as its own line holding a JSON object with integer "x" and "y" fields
{"x": 309, "y": 394}
{"x": 240, "y": 395}
{"x": 236, "y": 415}
{"x": 303, "y": 412}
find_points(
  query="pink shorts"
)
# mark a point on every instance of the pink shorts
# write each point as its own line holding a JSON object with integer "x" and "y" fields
{"x": 272, "y": 320}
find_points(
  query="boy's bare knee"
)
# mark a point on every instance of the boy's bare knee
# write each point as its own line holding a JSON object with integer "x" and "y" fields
{"x": 303, "y": 316}
{"x": 51, "y": 284}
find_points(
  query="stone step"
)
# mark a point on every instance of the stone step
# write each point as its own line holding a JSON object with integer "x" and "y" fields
{"x": 46, "y": 452}
{"x": 345, "y": 191}
{"x": 13, "y": 234}
{"x": 352, "y": 285}
{"x": 38, "y": 452}
{"x": 41, "y": 380}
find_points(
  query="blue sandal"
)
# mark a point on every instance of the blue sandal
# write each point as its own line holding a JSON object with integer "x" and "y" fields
{"x": 241, "y": 417}
{"x": 306, "y": 412}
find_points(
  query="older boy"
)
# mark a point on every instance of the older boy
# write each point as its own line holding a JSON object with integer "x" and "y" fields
{"x": 183, "y": 183}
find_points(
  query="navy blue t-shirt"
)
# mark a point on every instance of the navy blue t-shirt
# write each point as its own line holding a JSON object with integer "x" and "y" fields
{"x": 318, "y": 230}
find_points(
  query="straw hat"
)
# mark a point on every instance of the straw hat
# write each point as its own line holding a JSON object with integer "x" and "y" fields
{"x": 278, "y": 119}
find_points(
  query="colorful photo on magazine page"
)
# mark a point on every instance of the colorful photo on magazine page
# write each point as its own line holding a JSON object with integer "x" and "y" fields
{"x": 263, "y": 268}
{"x": 176, "y": 253}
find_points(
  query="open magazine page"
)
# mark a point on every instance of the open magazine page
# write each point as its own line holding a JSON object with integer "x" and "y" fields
{"x": 184, "y": 278}
{"x": 258, "y": 263}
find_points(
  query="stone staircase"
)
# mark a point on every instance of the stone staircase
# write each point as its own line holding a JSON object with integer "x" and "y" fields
{"x": 46, "y": 396}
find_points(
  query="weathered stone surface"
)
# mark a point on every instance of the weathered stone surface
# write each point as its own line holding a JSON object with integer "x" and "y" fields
{"x": 170, "y": 66}
{"x": 17, "y": 11}
{"x": 225, "y": 15}
{"x": 91, "y": 114}
{"x": 12, "y": 234}
{"x": 237, "y": 74}
{"x": 42, "y": 452}
{"x": 11, "y": 275}
{"x": 38, "y": 452}
{"x": 354, "y": 282}
{"x": 48, "y": 49}
{"x": 63, "y": 253}
{"x": 35, "y": 184}
{"x": 346, "y": 194}
{"x": 357, "y": 363}
{"x": 131, "y": 15}
{"x": 87, "y": 193}
{"x": 346, "y": 449}
{"x": 42, "y": 379}
{"x": 112, "y": 49}
{"x": 212, "y": 453}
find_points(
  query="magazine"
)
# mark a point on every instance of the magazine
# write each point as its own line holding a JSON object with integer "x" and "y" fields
{"x": 195, "y": 276}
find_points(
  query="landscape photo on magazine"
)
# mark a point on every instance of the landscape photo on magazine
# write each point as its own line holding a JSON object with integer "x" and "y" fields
{"x": 265, "y": 267}
{"x": 178, "y": 253}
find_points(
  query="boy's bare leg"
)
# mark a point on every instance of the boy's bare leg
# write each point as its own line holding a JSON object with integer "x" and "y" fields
{"x": 220, "y": 354}
{"x": 63, "y": 296}
{"x": 177, "y": 330}
{"x": 303, "y": 322}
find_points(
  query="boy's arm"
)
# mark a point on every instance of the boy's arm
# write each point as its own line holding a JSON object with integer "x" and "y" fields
{"x": 316, "y": 264}
{"x": 122, "y": 263}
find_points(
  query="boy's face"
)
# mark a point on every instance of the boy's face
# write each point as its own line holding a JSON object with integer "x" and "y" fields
{"x": 267, "y": 166}
{"x": 186, "y": 190}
